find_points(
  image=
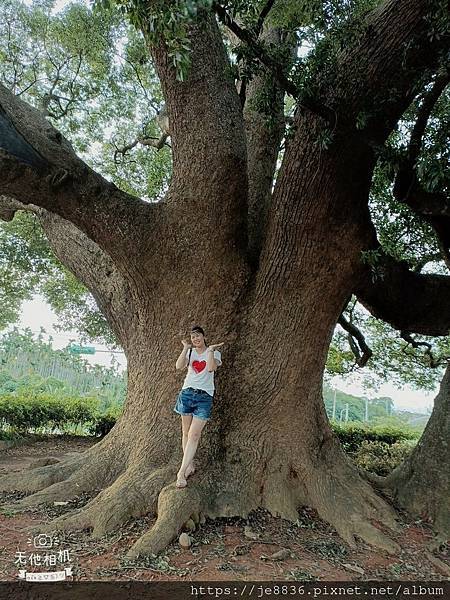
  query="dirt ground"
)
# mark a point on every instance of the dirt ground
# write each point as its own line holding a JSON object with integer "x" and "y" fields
{"x": 222, "y": 549}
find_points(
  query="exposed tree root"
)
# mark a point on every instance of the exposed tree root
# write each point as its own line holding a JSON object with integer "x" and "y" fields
{"x": 329, "y": 484}
{"x": 130, "y": 495}
{"x": 133, "y": 496}
{"x": 73, "y": 478}
{"x": 40, "y": 477}
{"x": 377, "y": 481}
{"x": 338, "y": 494}
{"x": 350, "y": 505}
{"x": 175, "y": 506}
{"x": 431, "y": 502}
{"x": 61, "y": 491}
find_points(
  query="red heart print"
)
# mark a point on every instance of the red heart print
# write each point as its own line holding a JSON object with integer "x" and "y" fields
{"x": 198, "y": 365}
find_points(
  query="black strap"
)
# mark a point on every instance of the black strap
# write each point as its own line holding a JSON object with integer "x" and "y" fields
{"x": 189, "y": 357}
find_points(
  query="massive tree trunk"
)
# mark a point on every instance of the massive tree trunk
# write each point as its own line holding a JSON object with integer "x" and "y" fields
{"x": 421, "y": 484}
{"x": 269, "y": 442}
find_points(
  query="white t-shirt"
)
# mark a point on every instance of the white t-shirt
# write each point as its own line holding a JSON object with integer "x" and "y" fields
{"x": 198, "y": 376}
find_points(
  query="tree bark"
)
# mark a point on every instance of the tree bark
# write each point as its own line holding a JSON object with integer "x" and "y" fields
{"x": 264, "y": 126}
{"x": 90, "y": 264}
{"x": 421, "y": 484}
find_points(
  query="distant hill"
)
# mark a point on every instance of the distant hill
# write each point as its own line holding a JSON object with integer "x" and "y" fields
{"x": 412, "y": 418}
{"x": 376, "y": 407}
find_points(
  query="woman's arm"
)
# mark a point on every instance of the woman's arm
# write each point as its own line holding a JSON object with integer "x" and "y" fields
{"x": 181, "y": 360}
{"x": 211, "y": 362}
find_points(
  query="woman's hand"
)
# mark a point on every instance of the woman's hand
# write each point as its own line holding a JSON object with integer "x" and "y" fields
{"x": 185, "y": 343}
{"x": 212, "y": 347}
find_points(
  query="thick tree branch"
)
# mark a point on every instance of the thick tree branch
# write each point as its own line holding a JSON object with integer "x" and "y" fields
{"x": 95, "y": 269}
{"x": 209, "y": 181}
{"x": 433, "y": 207}
{"x": 250, "y": 38}
{"x": 265, "y": 126}
{"x": 88, "y": 262}
{"x": 38, "y": 166}
{"x": 377, "y": 75}
{"x": 408, "y": 301}
{"x": 360, "y": 349}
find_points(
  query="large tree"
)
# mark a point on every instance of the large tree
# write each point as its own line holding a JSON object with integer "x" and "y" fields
{"x": 267, "y": 271}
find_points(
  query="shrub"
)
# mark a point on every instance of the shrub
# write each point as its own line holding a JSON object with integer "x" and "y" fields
{"x": 380, "y": 457}
{"x": 81, "y": 411}
{"x": 105, "y": 422}
{"x": 37, "y": 411}
{"x": 353, "y": 435}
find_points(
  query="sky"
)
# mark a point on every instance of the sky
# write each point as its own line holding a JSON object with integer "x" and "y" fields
{"x": 59, "y": 4}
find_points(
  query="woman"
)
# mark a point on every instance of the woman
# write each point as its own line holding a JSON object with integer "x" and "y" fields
{"x": 195, "y": 399}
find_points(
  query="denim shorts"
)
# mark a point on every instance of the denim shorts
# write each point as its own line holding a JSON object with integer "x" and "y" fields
{"x": 194, "y": 402}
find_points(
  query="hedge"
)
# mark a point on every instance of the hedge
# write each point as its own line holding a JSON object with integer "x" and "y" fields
{"x": 353, "y": 435}
{"x": 24, "y": 412}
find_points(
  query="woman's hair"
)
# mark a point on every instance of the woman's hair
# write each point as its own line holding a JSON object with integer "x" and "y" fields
{"x": 197, "y": 328}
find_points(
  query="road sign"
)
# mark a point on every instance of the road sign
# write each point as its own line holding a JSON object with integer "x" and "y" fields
{"x": 76, "y": 349}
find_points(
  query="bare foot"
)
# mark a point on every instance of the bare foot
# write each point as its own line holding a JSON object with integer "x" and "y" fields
{"x": 190, "y": 470}
{"x": 181, "y": 481}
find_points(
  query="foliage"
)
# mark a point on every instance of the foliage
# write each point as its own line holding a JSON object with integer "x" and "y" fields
{"x": 53, "y": 389}
{"x": 168, "y": 22}
{"x": 41, "y": 413}
{"x": 9, "y": 435}
{"x": 44, "y": 411}
{"x": 90, "y": 73}
{"x": 353, "y": 435}
{"x": 329, "y": 549}
{"x": 406, "y": 237}
{"x": 29, "y": 365}
{"x": 25, "y": 410}
{"x": 105, "y": 422}
{"x": 377, "y": 407}
{"x": 381, "y": 458}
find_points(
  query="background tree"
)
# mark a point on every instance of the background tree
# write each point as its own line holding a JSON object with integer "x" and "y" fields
{"x": 421, "y": 484}
{"x": 270, "y": 443}
{"x": 408, "y": 201}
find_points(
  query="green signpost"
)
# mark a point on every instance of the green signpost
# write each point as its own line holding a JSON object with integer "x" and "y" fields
{"x": 76, "y": 349}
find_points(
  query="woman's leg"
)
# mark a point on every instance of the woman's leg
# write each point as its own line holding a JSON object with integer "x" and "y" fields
{"x": 194, "y": 433}
{"x": 185, "y": 424}
{"x": 186, "y": 421}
